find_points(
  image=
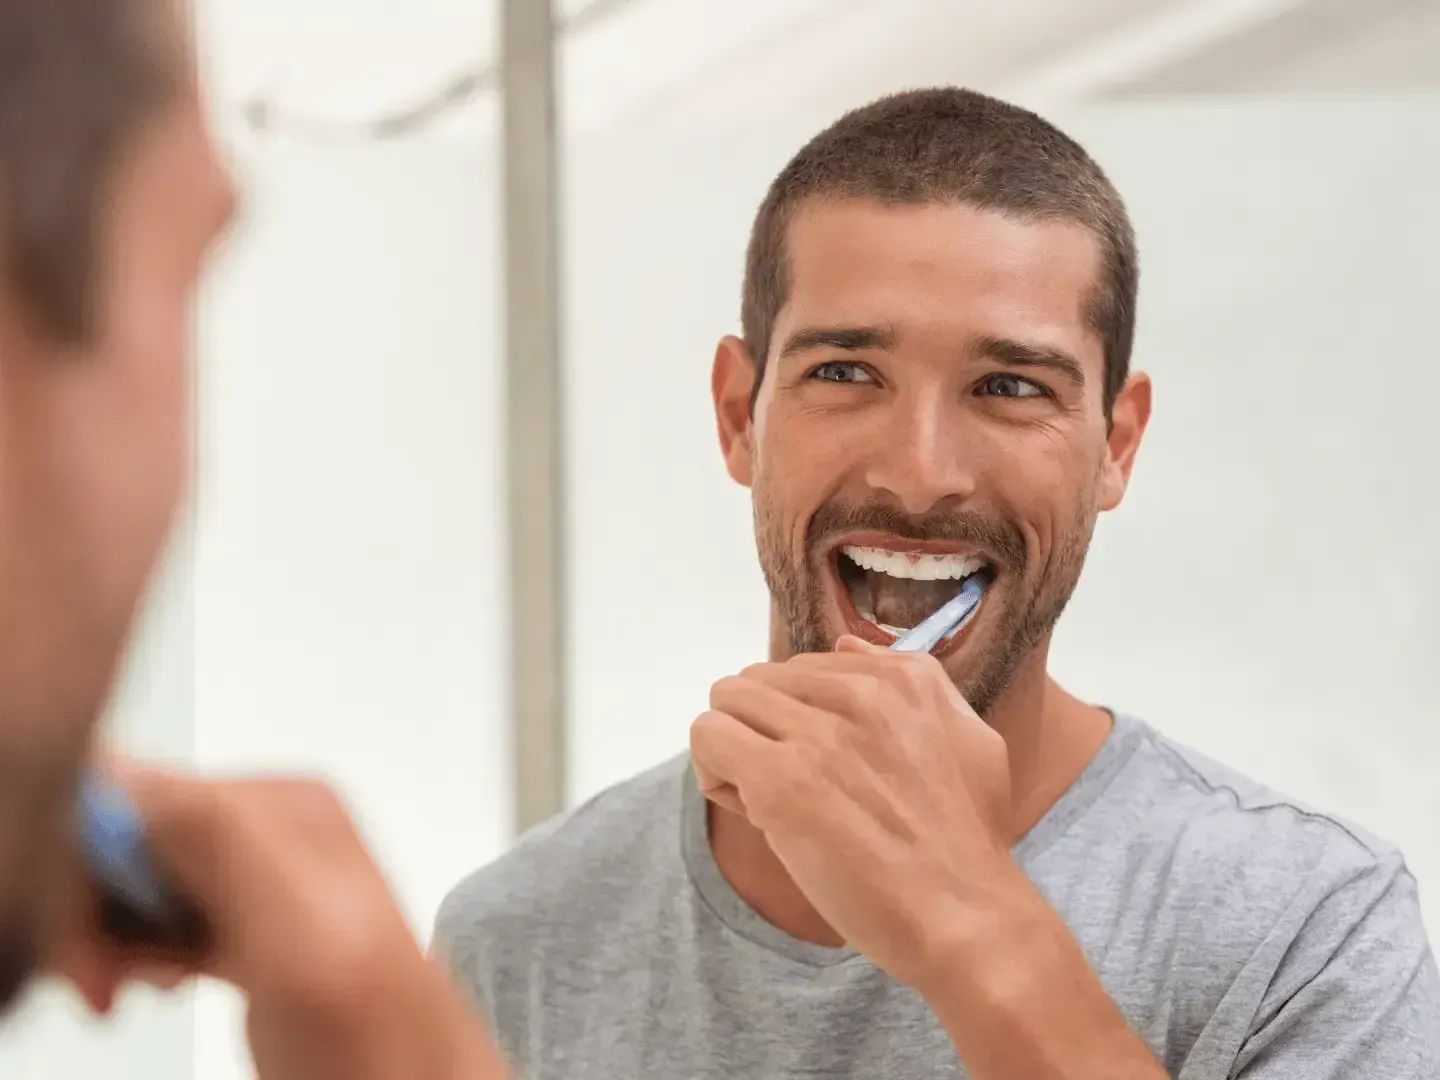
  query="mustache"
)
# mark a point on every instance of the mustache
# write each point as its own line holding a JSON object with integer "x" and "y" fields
{"x": 1002, "y": 539}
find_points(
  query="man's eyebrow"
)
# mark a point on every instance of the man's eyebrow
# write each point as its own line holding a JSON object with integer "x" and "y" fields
{"x": 844, "y": 338}
{"x": 1020, "y": 355}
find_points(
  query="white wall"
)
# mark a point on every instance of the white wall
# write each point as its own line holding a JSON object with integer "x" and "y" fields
{"x": 1267, "y": 593}
{"x": 348, "y": 586}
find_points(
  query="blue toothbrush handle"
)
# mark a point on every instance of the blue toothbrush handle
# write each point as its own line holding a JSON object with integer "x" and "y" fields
{"x": 137, "y": 907}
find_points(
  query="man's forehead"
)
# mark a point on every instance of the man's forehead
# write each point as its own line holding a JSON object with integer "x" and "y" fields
{"x": 861, "y": 259}
{"x": 856, "y": 233}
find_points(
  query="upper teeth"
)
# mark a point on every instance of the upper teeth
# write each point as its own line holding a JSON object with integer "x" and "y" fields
{"x": 919, "y": 567}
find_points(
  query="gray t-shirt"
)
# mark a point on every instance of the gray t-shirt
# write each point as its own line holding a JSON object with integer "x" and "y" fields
{"x": 1241, "y": 935}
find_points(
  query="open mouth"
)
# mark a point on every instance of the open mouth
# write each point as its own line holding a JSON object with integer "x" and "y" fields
{"x": 885, "y": 591}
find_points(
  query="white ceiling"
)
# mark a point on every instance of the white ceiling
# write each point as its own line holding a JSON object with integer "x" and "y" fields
{"x": 342, "y": 62}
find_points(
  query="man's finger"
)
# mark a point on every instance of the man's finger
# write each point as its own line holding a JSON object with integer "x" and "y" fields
{"x": 861, "y": 676}
{"x": 840, "y": 661}
{"x": 764, "y": 705}
{"x": 847, "y": 688}
{"x": 725, "y": 753}
{"x": 728, "y": 798}
{"x": 90, "y": 968}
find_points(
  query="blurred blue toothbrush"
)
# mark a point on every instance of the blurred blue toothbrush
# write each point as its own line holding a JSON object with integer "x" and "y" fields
{"x": 137, "y": 907}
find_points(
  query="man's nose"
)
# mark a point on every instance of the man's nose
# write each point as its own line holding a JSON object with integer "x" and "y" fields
{"x": 923, "y": 457}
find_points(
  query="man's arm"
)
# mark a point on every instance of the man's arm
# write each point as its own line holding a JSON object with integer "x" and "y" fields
{"x": 430, "y": 1031}
{"x": 417, "y": 1027}
{"x": 1019, "y": 999}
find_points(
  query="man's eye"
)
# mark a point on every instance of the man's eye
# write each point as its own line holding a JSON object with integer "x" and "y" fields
{"x": 1010, "y": 386}
{"x": 840, "y": 371}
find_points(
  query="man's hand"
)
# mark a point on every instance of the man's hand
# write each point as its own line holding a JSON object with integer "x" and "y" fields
{"x": 888, "y": 801}
{"x": 886, "y": 798}
{"x": 303, "y": 923}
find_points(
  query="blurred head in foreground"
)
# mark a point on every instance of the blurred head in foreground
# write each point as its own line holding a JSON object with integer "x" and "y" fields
{"x": 111, "y": 195}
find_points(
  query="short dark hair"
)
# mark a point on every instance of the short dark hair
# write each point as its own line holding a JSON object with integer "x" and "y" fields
{"x": 950, "y": 145}
{"x": 77, "y": 79}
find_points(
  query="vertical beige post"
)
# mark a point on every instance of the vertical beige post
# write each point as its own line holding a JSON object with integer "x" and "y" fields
{"x": 534, "y": 444}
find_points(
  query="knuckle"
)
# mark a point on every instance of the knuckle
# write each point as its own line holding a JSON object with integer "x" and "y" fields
{"x": 770, "y": 798}
{"x": 773, "y": 785}
{"x": 726, "y": 689}
{"x": 762, "y": 800}
{"x": 919, "y": 665}
{"x": 832, "y": 740}
{"x": 918, "y": 674}
{"x": 799, "y": 768}
{"x": 702, "y": 731}
{"x": 864, "y": 692}
{"x": 802, "y": 776}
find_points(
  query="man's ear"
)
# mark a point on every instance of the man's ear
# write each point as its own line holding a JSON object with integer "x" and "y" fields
{"x": 1128, "y": 417}
{"x": 732, "y": 381}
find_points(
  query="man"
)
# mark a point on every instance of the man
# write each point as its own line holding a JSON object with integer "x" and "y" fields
{"x": 111, "y": 194}
{"x": 874, "y": 864}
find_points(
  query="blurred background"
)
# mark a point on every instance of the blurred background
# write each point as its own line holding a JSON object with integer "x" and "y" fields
{"x": 338, "y": 601}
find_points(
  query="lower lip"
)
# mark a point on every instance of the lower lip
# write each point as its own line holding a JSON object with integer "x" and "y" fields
{"x": 863, "y": 628}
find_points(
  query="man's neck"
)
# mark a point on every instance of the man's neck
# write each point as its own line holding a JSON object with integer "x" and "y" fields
{"x": 1051, "y": 736}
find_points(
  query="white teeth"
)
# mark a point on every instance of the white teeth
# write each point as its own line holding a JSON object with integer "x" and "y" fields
{"x": 915, "y": 567}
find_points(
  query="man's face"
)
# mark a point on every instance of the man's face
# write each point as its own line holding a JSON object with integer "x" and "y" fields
{"x": 94, "y": 461}
{"x": 931, "y": 408}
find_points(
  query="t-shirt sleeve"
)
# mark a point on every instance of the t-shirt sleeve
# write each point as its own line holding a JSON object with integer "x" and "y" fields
{"x": 1357, "y": 996}
{"x": 457, "y": 946}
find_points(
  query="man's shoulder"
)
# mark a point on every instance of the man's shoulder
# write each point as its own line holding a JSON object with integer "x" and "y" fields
{"x": 571, "y": 866}
{"x": 1239, "y": 816}
{"x": 1294, "y": 927}
{"x": 1226, "y": 849}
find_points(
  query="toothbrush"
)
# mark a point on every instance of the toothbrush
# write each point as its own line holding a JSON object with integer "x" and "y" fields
{"x": 137, "y": 907}
{"x": 946, "y": 622}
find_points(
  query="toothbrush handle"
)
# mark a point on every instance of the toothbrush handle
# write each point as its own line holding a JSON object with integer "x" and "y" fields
{"x": 137, "y": 907}
{"x": 183, "y": 931}
{"x": 943, "y": 620}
